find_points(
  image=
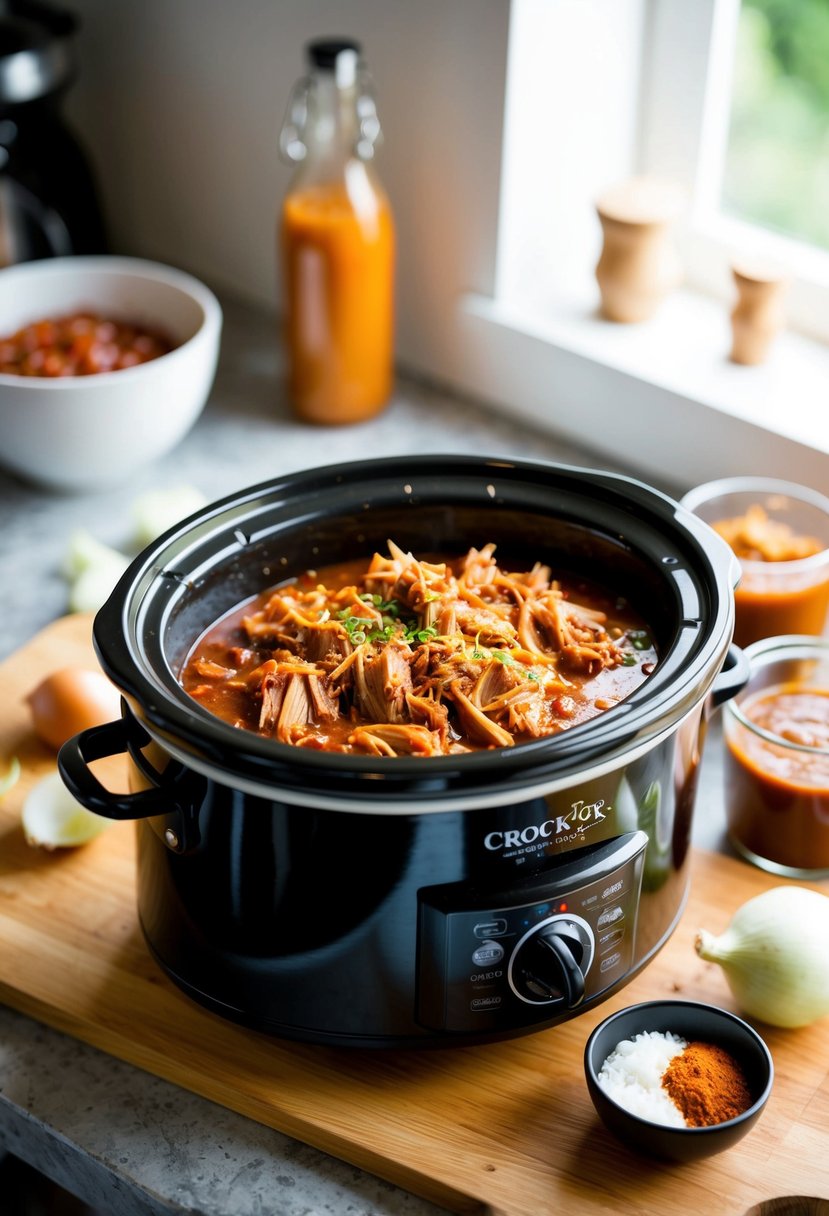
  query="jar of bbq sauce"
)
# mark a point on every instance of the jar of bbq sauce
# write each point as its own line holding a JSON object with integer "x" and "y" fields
{"x": 777, "y": 758}
{"x": 780, "y": 534}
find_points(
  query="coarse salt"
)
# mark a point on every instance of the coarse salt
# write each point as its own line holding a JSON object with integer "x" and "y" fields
{"x": 632, "y": 1076}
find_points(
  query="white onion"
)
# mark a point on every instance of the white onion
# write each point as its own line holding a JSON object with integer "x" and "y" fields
{"x": 53, "y": 819}
{"x": 775, "y": 956}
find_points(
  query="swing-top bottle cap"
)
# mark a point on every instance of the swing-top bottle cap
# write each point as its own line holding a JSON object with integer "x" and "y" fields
{"x": 324, "y": 52}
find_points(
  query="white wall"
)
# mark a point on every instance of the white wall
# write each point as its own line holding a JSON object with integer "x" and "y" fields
{"x": 180, "y": 104}
{"x": 571, "y": 131}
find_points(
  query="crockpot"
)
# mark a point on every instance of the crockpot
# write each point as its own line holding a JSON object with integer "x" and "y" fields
{"x": 402, "y": 901}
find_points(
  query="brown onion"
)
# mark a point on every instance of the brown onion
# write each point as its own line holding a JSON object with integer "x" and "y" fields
{"x": 71, "y": 700}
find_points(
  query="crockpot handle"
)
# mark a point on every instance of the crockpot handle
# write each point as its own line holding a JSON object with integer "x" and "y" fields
{"x": 96, "y": 743}
{"x": 732, "y": 678}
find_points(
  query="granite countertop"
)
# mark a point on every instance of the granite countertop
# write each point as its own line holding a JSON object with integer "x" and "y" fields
{"x": 125, "y": 1141}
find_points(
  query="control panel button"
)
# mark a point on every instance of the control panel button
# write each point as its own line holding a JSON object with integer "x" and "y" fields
{"x": 609, "y": 916}
{"x": 608, "y": 940}
{"x": 485, "y": 1002}
{"x": 491, "y": 928}
{"x": 487, "y": 952}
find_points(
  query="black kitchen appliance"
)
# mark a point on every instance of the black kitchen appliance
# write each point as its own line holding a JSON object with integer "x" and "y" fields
{"x": 48, "y": 200}
{"x": 398, "y": 902}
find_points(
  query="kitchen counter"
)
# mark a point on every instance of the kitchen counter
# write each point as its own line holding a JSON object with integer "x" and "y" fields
{"x": 121, "y": 1139}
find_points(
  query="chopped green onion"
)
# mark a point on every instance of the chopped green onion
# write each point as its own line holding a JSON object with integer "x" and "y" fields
{"x": 629, "y": 660}
{"x": 386, "y": 607}
{"x": 424, "y": 635}
{"x": 356, "y": 622}
{"x": 413, "y": 633}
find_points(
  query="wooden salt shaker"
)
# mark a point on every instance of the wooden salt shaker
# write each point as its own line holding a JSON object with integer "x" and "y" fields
{"x": 758, "y": 315}
{"x": 638, "y": 266}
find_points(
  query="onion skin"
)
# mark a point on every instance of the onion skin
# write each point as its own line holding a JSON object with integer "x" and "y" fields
{"x": 69, "y": 701}
{"x": 775, "y": 956}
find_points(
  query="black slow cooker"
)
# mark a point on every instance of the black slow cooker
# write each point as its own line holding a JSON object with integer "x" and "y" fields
{"x": 405, "y": 901}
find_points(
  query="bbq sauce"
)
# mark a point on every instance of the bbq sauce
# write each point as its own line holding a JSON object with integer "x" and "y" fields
{"x": 777, "y": 781}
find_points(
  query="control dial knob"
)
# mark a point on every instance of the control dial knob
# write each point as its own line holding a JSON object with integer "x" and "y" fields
{"x": 550, "y": 962}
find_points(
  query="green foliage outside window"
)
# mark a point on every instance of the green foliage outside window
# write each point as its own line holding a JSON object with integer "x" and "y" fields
{"x": 777, "y": 167}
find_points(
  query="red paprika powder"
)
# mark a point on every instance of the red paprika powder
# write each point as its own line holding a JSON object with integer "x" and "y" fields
{"x": 707, "y": 1084}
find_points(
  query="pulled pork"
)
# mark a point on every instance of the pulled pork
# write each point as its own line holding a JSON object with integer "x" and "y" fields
{"x": 417, "y": 658}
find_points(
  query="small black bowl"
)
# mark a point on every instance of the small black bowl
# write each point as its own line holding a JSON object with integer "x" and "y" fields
{"x": 692, "y": 1021}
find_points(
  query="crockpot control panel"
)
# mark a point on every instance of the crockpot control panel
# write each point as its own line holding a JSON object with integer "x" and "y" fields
{"x": 535, "y": 951}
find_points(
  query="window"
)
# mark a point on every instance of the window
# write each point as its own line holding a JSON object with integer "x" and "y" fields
{"x": 751, "y": 139}
{"x": 598, "y": 90}
{"x": 775, "y": 169}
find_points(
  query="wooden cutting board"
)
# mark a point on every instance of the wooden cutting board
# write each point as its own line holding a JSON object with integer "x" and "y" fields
{"x": 506, "y": 1128}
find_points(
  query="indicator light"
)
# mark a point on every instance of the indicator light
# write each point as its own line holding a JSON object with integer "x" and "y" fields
{"x": 562, "y": 907}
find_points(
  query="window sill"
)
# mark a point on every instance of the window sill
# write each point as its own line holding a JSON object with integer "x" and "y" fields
{"x": 662, "y": 396}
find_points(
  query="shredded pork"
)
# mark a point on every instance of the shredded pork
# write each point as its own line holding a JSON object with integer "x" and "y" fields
{"x": 418, "y": 658}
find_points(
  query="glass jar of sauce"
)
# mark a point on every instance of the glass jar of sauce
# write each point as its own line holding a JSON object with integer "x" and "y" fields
{"x": 777, "y": 758}
{"x": 780, "y": 534}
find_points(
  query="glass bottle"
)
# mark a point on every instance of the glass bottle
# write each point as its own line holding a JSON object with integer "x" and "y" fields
{"x": 337, "y": 244}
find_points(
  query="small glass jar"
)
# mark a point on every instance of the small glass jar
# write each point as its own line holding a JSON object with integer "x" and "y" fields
{"x": 776, "y": 595}
{"x": 776, "y": 733}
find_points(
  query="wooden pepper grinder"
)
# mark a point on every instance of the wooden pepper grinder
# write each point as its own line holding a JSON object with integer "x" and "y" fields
{"x": 758, "y": 315}
{"x": 638, "y": 266}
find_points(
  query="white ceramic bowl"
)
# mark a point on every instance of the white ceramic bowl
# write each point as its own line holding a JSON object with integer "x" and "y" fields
{"x": 85, "y": 432}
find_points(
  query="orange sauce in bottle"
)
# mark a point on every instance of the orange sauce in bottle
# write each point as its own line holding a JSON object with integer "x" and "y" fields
{"x": 338, "y": 261}
{"x": 337, "y": 243}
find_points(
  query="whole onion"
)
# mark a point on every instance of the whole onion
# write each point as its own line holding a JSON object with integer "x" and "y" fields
{"x": 775, "y": 955}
